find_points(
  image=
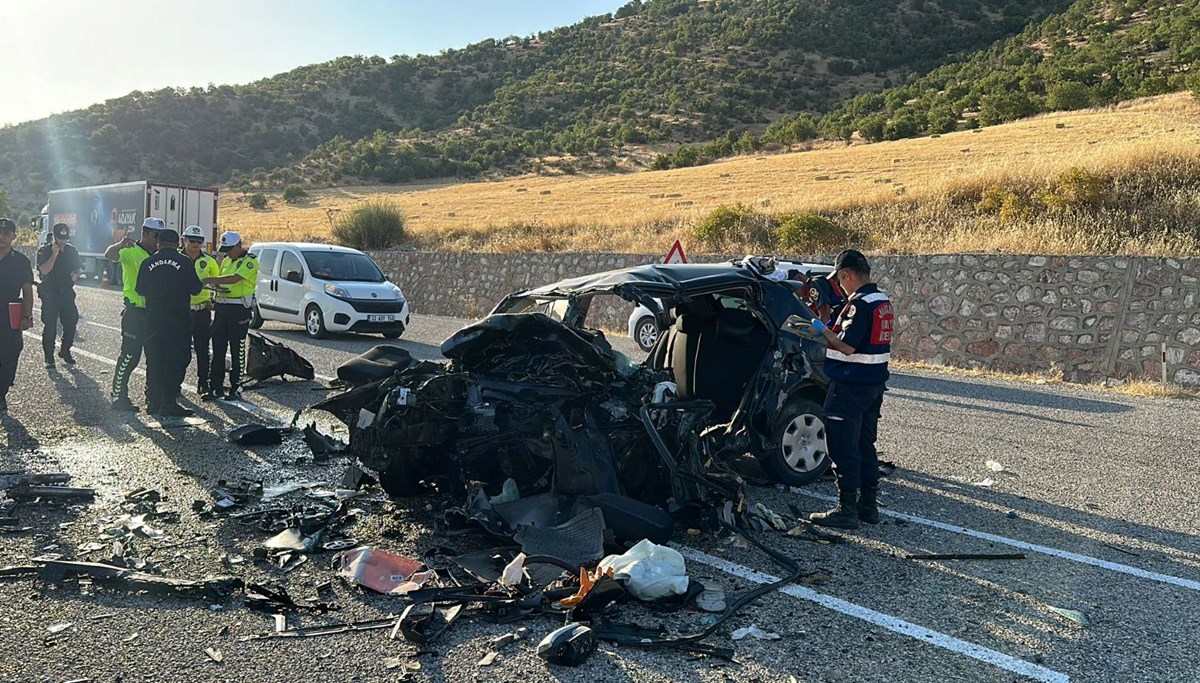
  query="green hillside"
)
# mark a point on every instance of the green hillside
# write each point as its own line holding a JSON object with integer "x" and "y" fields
{"x": 1097, "y": 52}
{"x": 660, "y": 71}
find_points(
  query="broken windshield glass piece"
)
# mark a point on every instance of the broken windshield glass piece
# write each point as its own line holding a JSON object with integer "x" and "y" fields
{"x": 755, "y": 632}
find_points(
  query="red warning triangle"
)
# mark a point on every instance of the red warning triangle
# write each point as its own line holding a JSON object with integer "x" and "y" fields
{"x": 676, "y": 255}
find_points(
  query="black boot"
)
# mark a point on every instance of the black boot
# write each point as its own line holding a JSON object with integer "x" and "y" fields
{"x": 844, "y": 516}
{"x": 868, "y": 505}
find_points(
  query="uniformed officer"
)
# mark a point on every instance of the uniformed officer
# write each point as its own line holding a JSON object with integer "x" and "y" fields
{"x": 16, "y": 286}
{"x": 59, "y": 265}
{"x": 130, "y": 255}
{"x": 201, "y": 304}
{"x": 856, "y": 362}
{"x": 167, "y": 280}
{"x": 231, "y": 318}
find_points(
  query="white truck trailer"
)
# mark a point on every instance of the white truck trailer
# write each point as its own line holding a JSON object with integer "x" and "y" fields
{"x": 102, "y": 214}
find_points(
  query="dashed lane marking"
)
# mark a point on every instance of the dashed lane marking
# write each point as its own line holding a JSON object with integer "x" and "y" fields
{"x": 892, "y": 623}
{"x": 1034, "y": 547}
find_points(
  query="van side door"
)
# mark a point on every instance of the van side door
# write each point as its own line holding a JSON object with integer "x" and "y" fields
{"x": 264, "y": 289}
{"x": 290, "y": 285}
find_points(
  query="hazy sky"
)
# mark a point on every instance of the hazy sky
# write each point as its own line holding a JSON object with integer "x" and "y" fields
{"x": 60, "y": 55}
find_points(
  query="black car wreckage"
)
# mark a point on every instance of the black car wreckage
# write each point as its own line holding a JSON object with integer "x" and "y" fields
{"x": 535, "y": 417}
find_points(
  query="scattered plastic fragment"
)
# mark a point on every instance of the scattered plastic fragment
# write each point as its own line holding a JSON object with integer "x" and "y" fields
{"x": 755, "y": 632}
{"x": 986, "y": 483}
{"x": 489, "y": 657}
{"x": 512, "y": 574}
{"x": 508, "y": 493}
{"x": 771, "y": 516}
{"x": 1072, "y": 614}
{"x": 570, "y": 645}
{"x": 711, "y": 600}
{"x": 994, "y": 466}
{"x": 214, "y": 654}
{"x": 59, "y": 628}
{"x": 381, "y": 571}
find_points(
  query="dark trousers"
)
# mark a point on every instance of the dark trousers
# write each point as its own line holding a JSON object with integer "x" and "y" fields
{"x": 231, "y": 324}
{"x": 201, "y": 336}
{"x": 168, "y": 352}
{"x": 133, "y": 333}
{"x": 58, "y": 306}
{"x": 851, "y": 426}
{"x": 11, "y": 343}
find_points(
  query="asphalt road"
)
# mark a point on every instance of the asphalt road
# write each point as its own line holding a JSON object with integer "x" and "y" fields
{"x": 1097, "y": 490}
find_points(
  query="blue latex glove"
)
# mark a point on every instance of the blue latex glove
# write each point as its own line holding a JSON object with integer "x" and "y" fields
{"x": 818, "y": 326}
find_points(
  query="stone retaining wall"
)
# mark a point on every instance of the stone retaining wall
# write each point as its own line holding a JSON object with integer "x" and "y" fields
{"x": 1089, "y": 317}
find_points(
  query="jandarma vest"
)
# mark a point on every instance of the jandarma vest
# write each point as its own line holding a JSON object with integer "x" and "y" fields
{"x": 866, "y": 323}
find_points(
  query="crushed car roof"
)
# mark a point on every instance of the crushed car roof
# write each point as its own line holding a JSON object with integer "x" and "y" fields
{"x": 654, "y": 279}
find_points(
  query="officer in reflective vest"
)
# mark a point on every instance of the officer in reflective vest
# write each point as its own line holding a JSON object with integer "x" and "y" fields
{"x": 856, "y": 362}
{"x": 231, "y": 319}
{"x": 201, "y": 304}
{"x": 130, "y": 255}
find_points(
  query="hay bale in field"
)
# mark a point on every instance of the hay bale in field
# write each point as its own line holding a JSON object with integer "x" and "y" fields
{"x": 1060, "y": 125}
{"x": 821, "y": 177}
{"x": 683, "y": 203}
{"x": 544, "y": 192}
{"x": 656, "y": 196}
{"x": 521, "y": 189}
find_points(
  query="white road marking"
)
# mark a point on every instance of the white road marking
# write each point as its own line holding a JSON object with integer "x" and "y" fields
{"x": 248, "y": 407}
{"x": 1033, "y": 547}
{"x": 37, "y": 309}
{"x": 887, "y": 621}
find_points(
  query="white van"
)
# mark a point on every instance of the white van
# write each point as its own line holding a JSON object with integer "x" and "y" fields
{"x": 325, "y": 288}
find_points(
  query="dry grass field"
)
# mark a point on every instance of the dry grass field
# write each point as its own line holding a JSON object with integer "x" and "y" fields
{"x": 903, "y": 196}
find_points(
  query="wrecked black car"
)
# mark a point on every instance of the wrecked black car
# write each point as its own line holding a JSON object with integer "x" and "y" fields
{"x": 533, "y": 402}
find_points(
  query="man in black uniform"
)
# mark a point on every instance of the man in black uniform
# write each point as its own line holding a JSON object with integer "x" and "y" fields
{"x": 856, "y": 362}
{"x": 16, "y": 285}
{"x": 59, "y": 265}
{"x": 167, "y": 280}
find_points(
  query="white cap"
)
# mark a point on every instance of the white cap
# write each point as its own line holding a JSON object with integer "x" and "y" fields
{"x": 230, "y": 240}
{"x": 193, "y": 231}
{"x": 154, "y": 223}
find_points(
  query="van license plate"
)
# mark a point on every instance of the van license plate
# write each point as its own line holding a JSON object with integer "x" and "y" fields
{"x": 381, "y": 318}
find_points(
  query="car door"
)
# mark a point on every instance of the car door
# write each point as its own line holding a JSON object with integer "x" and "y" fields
{"x": 290, "y": 285}
{"x": 264, "y": 289}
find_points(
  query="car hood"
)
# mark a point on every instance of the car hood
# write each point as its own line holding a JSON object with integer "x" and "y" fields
{"x": 377, "y": 291}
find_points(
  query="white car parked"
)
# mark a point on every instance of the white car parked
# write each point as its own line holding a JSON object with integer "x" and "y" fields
{"x": 325, "y": 288}
{"x": 644, "y": 330}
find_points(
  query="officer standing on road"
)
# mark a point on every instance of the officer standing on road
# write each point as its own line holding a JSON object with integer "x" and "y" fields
{"x": 16, "y": 285}
{"x": 167, "y": 280}
{"x": 130, "y": 255}
{"x": 59, "y": 265}
{"x": 202, "y": 305}
{"x": 856, "y": 362}
{"x": 231, "y": 319}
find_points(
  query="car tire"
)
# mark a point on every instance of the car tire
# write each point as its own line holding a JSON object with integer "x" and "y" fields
{"x": 314, "y": 322}
{"x": 392, "y": 335}
{"x": 645, "y": 332}
{"x": 799, "y": 454}
{"x": 256, "y": 319}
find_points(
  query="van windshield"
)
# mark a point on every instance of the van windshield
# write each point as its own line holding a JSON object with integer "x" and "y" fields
{"x": 342, "y": 266}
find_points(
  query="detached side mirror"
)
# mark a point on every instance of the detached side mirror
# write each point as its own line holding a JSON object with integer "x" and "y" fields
{"x": 294, "y": 276}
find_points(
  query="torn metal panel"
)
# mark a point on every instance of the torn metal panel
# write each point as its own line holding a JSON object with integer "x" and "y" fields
{"x": 214, "y": 589}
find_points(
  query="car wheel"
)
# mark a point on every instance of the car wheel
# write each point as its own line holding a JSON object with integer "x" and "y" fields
{"x": 314, "y": 322}
{"x": 799, "y": 454}
{"x": 256, "y": 319}
{"x": 392, "y": 335}
{"x": 645, "y": 332}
